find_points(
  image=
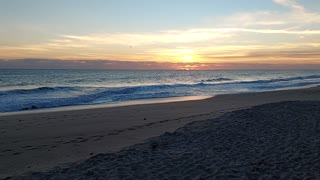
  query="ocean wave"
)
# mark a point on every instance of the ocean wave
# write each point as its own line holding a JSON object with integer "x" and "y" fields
{"x": 36, "y": 90}
{"x": 283, "y": 79}
{"x": 282, "y": 86}
{"x": 49, "y": 97}
{"x": 95, "y": 98}
{"x": 133, "y": 89}
{"x": 217, "y": 80}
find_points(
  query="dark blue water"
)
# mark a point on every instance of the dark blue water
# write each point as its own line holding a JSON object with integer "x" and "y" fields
{"x": 36, "y": 89}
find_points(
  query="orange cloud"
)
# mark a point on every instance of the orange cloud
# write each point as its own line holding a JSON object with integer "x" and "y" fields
{"x": 145, "y": 65}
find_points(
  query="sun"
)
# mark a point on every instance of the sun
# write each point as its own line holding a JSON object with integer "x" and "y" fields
{"x": 187, "y": 59}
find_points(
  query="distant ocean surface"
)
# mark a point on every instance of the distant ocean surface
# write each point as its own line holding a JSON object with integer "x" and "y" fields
{"x": 37, "y": 89}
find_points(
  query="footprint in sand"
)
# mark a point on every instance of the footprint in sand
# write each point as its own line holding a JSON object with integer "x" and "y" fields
{"x": 7, "y": 150}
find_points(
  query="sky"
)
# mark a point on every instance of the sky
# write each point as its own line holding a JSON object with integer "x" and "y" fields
{"x": 166, "y": 34}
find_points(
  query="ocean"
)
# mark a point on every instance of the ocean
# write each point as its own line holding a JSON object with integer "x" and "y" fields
{"x": 38, "y": 89}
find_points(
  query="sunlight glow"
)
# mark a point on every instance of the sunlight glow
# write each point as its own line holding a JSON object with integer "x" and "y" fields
{"x": 187, "y": 59}
{"x": 186, "y": 56}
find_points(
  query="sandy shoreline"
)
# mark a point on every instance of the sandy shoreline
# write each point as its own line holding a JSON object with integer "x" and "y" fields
{"x": 106, "y": 105}
{"x": 36, "y": 142}
{"x": 271, "y": 141}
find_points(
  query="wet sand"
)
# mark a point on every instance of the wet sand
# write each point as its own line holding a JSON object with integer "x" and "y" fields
{"x": 38, "y": 142}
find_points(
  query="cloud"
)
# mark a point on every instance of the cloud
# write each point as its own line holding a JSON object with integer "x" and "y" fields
{"x": 79, "y": 64}
{"x": 146, "y": 65}
{"x": 280, "y": 53}
{"x": 170, "y": 37}
{"x": 245, "y": 19}
{"x": 116, "y": 41}
{"x": 280, "y": 56}
{"x": 264, "y": 31}
{"x": 291, "y": 4}
{"x": 298, "y": 16}
{"x": 163, "y": 37}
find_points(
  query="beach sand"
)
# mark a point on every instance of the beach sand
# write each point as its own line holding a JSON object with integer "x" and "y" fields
{"x": 272, "y": 141}
{"x": 255, "y": 138}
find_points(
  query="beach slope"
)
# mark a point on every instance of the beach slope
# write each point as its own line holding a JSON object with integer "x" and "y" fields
{"x": 272, "y": 141}
{"x": 40, "y": 141}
